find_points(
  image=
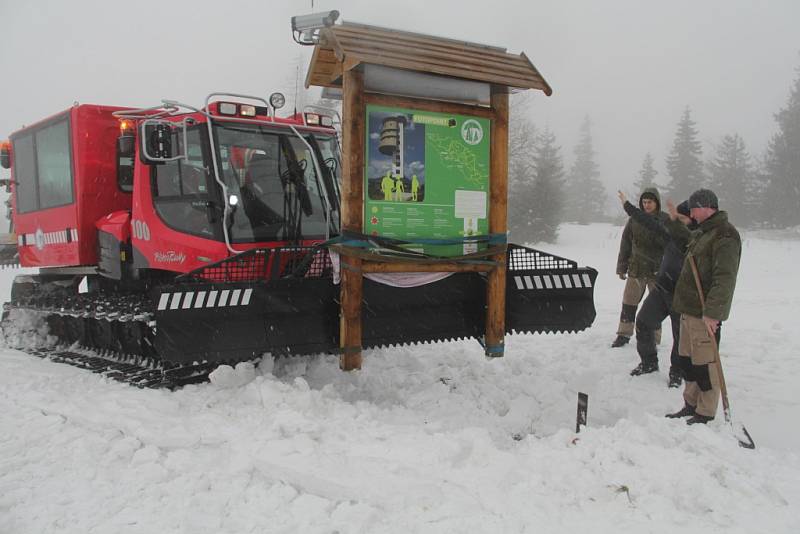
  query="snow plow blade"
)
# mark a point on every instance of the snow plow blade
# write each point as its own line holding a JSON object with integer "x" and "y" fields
{"x": 9, "y": 254}
{"x": 547, "y": 293}
{"x": 234, "y": 321}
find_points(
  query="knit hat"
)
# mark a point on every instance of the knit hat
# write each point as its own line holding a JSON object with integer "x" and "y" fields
{"x": 703, "y": 198}
{"x": 683, "y": 208}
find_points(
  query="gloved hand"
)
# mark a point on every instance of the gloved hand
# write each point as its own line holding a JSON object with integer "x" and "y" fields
{"x": 622, "y": 276}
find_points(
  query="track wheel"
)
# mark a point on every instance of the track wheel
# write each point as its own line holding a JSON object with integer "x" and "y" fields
{"x": 76, "y": 330}
{"x": 101, "y": 334}
{"x": 129, "y": 337}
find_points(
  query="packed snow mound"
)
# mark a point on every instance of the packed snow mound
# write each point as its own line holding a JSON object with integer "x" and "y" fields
{"x": 226, "y": 376}
{"x": 26, "y": 329}
{"x": 428, "y": 438}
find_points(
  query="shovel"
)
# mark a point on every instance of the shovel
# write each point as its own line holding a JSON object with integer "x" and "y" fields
{"x": 739, "y": 431}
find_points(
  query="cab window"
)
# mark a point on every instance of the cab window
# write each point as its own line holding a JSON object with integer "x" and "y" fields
{"x": 25, "y": 174}
{"x": 180, "y": 190}
{"x": 43, "y": 168}
{"x": 54, "y": 165}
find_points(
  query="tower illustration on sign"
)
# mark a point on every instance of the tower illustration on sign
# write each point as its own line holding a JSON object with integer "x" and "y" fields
{"x": 392, "y": 144}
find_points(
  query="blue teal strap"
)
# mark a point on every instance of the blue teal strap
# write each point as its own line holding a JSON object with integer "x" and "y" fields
{"x": 387, "y": 247}
{"x": 494, "y": 350}
{"x": 354, "y": 239}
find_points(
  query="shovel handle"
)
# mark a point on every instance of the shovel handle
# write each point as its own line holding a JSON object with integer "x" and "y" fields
{"x": 726, "y": 407}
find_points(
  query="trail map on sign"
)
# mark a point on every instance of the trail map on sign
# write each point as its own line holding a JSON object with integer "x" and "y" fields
{"x": 460, "y": 158}
{"x": 426, "y": 177}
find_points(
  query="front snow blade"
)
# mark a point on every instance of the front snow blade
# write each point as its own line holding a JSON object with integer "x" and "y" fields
{"x": 239, "y": 320}
{"x": 449, "y": 309}
{"x": 232, "y": 322}
{"x": 547, "y": 293}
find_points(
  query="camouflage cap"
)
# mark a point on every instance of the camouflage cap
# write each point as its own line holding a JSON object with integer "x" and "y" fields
{"x": 704, "y": 198}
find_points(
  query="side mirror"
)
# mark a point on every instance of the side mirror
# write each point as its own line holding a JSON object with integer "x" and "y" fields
{"x": 126, "y": 146}
{"x": 158, "y": 140}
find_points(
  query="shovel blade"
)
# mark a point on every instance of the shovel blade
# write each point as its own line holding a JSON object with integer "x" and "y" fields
{"x": 743, "y": 436}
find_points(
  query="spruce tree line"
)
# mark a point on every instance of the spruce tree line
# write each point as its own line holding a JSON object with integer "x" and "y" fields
{"x": 586, "y": 194}
{"x": 535, "y": 178}
{"x": 781, "y": 169}
{"x": 756, "y": 191}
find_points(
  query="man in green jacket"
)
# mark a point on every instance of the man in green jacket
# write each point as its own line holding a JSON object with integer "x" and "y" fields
{"x": 716, "y": 248}
{"x": 640, "y": 252}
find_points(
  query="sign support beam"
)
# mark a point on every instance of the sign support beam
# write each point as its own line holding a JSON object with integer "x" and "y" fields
{"x": 352, "y": 281}
{"x": 494, "y": 342}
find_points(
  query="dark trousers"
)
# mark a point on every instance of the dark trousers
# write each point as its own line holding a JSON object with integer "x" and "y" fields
{"x": 656, "y": 308}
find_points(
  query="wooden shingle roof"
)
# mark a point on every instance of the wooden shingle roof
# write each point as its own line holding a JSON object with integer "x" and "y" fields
{"x": 344, "y": 46}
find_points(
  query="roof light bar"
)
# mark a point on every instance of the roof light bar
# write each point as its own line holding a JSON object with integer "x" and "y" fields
{"x": 312, "y": 119}
{"x": 5, "y": 154}
{"x": 227, "y": 108}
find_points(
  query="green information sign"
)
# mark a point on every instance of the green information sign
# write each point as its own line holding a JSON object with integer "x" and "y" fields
{"x": 427, "y": 177}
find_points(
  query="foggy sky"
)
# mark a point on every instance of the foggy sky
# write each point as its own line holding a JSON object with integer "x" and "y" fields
{"x": 632, "y": 66}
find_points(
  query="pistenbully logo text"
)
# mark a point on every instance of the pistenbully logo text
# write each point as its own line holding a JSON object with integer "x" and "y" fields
{"x": 170, "y": 257}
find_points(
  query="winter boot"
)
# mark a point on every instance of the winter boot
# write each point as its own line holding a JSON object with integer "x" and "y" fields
{"x": 675, "y": 377}
{"x": 697, "y": 418}
{"x": 620, "y": 341}
{"x": 645, "y": 368}
{"x": 686, "y": 411}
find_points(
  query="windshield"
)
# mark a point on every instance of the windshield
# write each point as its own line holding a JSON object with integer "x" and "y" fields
{"x": 278, "y": 193}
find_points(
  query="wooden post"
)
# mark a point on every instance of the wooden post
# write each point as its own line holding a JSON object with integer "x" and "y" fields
{"x": 352, "y": 282}
{"x": 498, "y": 222}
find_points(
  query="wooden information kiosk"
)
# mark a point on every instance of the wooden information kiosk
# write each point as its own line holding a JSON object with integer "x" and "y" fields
{"x": 394, "y": 85}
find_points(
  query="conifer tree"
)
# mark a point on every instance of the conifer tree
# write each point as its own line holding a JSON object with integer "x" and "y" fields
{"x": 782, "y": 165}
{"x": 730, "y": 174}
{"x": 647, "y": 174}
{"x": 535, "y": 178}
{"x": 521, "y": 149}
{"x": 756, "y": 209}
{"x": 586, "y": 195}
{"x": 684, "y": 162}
{"x": 547, "y": 198}
{"x": 521, "y": 143}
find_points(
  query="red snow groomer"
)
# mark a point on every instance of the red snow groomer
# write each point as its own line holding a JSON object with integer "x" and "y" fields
{"x": 172, "y": 239}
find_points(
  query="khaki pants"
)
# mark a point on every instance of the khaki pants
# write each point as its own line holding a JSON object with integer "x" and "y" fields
{"x": 631, "y": 297}
{"x": 696, "y": 343}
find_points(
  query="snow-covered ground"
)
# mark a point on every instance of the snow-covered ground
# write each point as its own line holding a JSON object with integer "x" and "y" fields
{"x": 432, "y": 438}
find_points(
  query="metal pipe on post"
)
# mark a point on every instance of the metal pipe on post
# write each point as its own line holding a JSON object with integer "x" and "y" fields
{"x": 494, "y": 342}
{"x": 352, "y": 281}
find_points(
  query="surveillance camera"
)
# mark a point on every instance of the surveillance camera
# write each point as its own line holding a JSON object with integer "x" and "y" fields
{"x": 314, "y": 21}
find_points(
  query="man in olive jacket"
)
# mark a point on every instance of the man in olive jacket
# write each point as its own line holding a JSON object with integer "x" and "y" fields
{"x": 640, "y": 252}
{"x": 716, "y": 248}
